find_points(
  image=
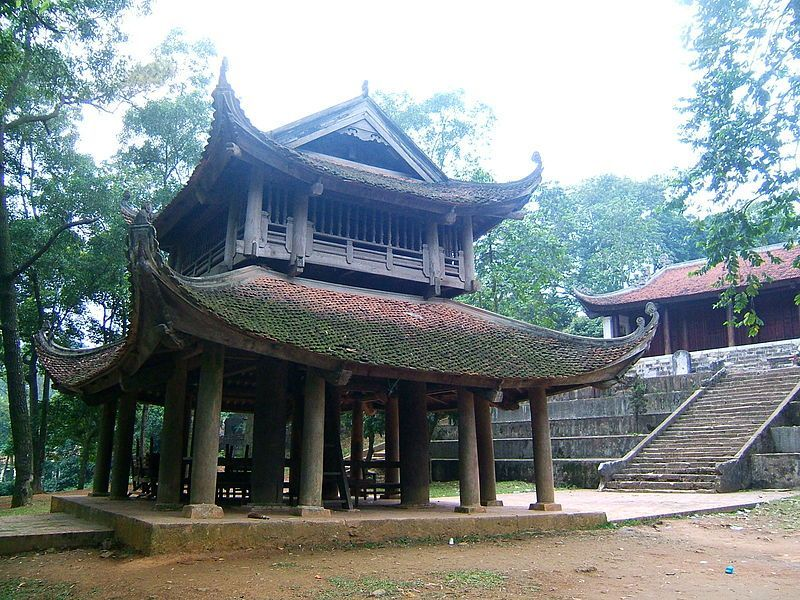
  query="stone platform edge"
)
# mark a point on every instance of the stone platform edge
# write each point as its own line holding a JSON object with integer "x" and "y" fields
{"x": 210, "y": 536}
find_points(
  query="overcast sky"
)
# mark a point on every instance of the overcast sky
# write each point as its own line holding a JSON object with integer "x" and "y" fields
{"x": 592, "y": 85}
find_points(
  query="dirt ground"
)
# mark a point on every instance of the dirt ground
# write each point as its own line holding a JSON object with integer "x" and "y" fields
{"x": 683, "y": 558}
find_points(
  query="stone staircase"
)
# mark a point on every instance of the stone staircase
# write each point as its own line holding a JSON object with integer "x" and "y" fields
{"x": 686, "y": 454}
{"x": 587, "y": 427}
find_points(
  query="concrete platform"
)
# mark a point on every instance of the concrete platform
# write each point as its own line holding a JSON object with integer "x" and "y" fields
{"x": 28, "y": 533}
{"x": 623, "y": 506}
{"x": 137, "y": 525}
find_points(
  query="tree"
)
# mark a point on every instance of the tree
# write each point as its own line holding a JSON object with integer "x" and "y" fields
{"x": 56, "y": 56}
{"x": 453, "y": 132}
{"x": 743, "y": 123}
{"x": 162, "y": 140}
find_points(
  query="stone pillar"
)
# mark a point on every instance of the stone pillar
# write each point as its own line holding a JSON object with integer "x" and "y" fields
{"x": 269, "y": 432}
{"x": 357, "y": 440}
{"x": 123, "y": 446}
{"x": 170, "y": 465}
{"x": 483, "y": 430}
{"x": 542, "y": 452}
{"x": 414, "y": 445}
{"x": 105, "y": 445}
{"x": 392, "y": 438}
{"x": 468, "y": 478}
{"x": 205, "y": 447}
{"x": 312, "y": 445}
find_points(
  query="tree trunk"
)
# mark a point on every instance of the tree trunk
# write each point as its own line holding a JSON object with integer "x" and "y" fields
{"x": 370, "y": 444}
{"x": 86, "y": 450}
{"x": 41, "y": 438}
{"x": 34, "y": 406}
{"x": 12, "y": 358}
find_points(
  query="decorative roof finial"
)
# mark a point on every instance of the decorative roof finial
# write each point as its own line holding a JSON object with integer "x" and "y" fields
{"x": 223, "y": 74}
{"x": 365, "y": 88}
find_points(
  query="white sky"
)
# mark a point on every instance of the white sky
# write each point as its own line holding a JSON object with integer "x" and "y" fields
{"x": 592, "y": 85}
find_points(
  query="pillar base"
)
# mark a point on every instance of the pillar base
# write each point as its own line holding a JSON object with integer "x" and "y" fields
{"x": 99, "y": 494}
{"x": 168, "y": 506}
{"x": 545, "y": 506}
{"x": 492, "y": 503}
{"x": 309, "y": 511}
{"x": 414, "y": 506}
{"x": 468, "y": 510}
{"x": 203, "y": 511}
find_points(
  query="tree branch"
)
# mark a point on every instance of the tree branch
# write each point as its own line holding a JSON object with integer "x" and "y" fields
{"x": 46, "y": 246}
{"x": 40, "y": 118}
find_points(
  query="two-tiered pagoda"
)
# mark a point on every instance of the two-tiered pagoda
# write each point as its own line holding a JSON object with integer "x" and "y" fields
{"x": 311, "y": 270}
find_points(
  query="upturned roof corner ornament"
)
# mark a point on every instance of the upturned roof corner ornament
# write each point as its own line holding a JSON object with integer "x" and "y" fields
{"x": 142, "y": 243}
{"x": 365, "y": 88}
{"x": 651, "y": 311}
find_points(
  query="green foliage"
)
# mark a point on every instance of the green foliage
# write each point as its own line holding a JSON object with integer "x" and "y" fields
{"x": 452, "y": 131}
{"x": 743, "y": 123}
{"x": 520, "y": 265}
{"x": 162, "y": 141}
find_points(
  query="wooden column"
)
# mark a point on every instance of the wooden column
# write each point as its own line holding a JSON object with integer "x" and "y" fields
{"x": 468, "y": 478}
{"x": 105, "y": 446}
{"x": 313, "y": 444}
{"x": 123, "y": 446}
{"x": 542, "y": 452}
{"x": 665, "y": 330}
{"x": 269, "y": 432}
{"x": 205, "y": 447}
{"x": 392, "y": 437}
{"x": 170, "y": 465}
{"x": 730, "y": 330}
{"x": 297, "y": 258}
{"x": 434, "y": 256}
{"x": 231, "y": 230}
{"x": 468, "y": 248}
{"x": 252, "y": 218}
{"x": 357, "y": 440}
{"x": 684, "y": 332}
{"x": 414, "y": 445}
{"x": 483, "y": 430}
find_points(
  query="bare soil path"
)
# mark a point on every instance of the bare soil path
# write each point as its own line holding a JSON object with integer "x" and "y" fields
{"x": 677, "y": 558}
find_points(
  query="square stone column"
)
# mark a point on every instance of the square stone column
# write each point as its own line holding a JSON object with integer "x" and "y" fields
{"x": 269, "y": 432}
{"x": 312, "y": 446}
{"x": 486, "y": 467}
{"x": 123, "y": 446}
{"x": 170, "y": 465}
{"x": 415, "y": 455}
{"x": 105, "y": 447}
{"x": 542, "y": 452}
{"x": 205, "y": 445}
{"x": 469, "y": 481}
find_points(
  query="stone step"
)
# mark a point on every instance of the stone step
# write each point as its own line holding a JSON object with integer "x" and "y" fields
{"x": 676, "y": 468}
{"x": 28, "y": 533}
{"x": 660, "y": 486}
{"x": 627, "y": 475}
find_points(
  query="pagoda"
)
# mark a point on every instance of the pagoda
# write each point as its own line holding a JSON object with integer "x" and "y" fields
{"x": 307, "y": 271}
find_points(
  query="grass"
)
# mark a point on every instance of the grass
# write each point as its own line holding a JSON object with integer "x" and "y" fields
{"x": 783, "y": 513}
{"x": 443, "y": 489}
{"x": 41, "y": 505}
{"x": 435, "y": 585}
{"x": 34, "y": 589}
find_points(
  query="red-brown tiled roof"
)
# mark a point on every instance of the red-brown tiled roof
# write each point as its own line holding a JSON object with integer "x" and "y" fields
{"x": 69, "y": 368}
{"x": 677, "y": 281}
{"x": 403, "y": 332}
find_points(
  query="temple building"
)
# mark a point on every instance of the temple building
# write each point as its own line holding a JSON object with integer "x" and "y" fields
{"x": 304, "y": 272}
{"x": 686, "y": 302}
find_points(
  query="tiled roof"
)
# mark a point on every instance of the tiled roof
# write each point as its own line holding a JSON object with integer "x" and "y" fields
{"x": 440, "y": 336}
{"x": 72, "y": 367}
{"x": 676, "y": 281}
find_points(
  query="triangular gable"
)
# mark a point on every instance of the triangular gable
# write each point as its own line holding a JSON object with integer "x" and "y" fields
{"x": 360, "y": 132}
